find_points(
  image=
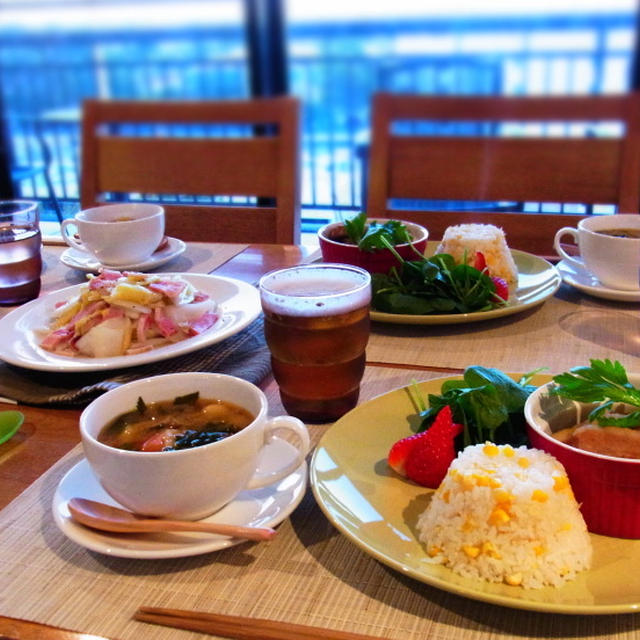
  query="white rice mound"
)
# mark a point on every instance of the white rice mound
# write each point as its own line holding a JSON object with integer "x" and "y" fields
{"x": 463, "y": 240}
{"x": 506, "y": 515}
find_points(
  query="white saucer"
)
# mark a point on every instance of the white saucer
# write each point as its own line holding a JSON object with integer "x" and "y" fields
{"x": 77, "y": 259}
{"x": 264, "y": 507}
{"x": 585, "y": 281}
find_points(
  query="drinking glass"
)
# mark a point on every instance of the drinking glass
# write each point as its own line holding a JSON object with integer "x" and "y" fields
{"x": 20, "y": 255}
{"x": 317, "y": 329}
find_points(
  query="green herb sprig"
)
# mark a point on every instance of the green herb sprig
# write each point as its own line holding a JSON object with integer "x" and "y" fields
{"x": 369, "y": 236}
{"x": 605, "y": 382}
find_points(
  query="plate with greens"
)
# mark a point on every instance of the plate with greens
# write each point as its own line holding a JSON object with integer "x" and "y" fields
{"x": 377, "y": 510}
{"x": 537, "y": 281}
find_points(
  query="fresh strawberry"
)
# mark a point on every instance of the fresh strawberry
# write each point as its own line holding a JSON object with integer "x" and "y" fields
{"x": 442, "y": 430}
{"x": 429, "y": 459}
{"x": 399, "y": 452}
{"x": 479, "y": 261}
{"x": 502, "y": 288}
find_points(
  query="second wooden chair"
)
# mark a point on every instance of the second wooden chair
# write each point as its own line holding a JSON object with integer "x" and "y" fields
{"x": 488, "y": 163}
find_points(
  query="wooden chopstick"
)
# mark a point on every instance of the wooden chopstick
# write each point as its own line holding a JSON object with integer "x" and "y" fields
{"x": 239, "y": 627}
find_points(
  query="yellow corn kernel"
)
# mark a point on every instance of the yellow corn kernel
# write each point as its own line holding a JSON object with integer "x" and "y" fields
{"x": 489, "y": 549}
{"x": 565, "y": 527}
{"x": 539, "y": 550}
{"x": 482, "y": 481}
{"x": 563, "y": 571}
{"x": 539, "y": 495}
{"x": 433, "y": 550}
{"x": 445, "y": 497}
{"x": 524, "y": 463}
{"x": 471, "y": 550}
{"x": 498, "y": 516}
{"x": 560, "y": 482}
{"x": 502, "y": 495}
{"x": 468, "y": 482}
{"x": 508, "y": 451}
{"x": 514, "y": 579}
{"x": 490, "y": 449}
{"x": 468, "y": 525}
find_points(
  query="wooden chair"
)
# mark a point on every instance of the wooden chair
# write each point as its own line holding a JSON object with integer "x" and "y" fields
{"x": 122, "y": 153}
{"x": 490, "y": 167}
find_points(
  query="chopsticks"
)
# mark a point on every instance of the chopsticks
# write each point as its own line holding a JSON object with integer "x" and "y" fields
{"x": 239, "y": 627}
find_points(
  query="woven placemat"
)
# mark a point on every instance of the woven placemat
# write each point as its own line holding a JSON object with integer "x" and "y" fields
{"x": 244, "y": 355}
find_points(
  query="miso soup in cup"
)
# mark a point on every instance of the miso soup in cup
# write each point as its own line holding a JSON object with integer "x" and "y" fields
{"x": 192, "y": 482}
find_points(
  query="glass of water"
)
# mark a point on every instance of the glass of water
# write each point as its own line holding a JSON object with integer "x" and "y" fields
{"x": 20, "y": 251}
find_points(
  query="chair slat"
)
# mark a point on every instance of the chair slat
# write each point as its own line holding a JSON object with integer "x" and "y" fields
{"x": 230, "y": 167}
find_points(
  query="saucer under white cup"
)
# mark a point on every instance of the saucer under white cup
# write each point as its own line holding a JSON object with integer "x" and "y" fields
{"x": 586, "y": 282}
{"x": 85, "y": 261}
{"x": 266, "y": 507}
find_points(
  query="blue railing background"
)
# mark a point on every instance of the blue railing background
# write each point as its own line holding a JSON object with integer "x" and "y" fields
{"x": 333, "y": 67}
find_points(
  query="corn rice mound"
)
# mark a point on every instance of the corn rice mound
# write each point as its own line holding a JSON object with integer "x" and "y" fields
{"x": 508, "y": 515}
{"x": 463, "y": 240}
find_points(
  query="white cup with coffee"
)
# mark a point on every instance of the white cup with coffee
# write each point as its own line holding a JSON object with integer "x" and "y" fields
{"x": 609, "y": 248}
{"x": 116, "y": 234}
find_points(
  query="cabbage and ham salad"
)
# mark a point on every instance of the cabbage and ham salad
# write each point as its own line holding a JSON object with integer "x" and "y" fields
{"x": 128, "y": 313}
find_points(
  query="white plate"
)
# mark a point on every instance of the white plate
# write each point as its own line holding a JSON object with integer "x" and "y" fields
{"x": 85, "y": 261}
{"x": 238, "y": 303}
{"x": 264, "y": 507}
{"x": 537, "y": 281}
{"x": 585, "y": 281}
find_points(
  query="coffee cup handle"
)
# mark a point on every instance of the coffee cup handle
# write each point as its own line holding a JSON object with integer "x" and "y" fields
{"x": 298, "y": 428}
{"x": 567, "y": 231}
{"x": 69, "y": 238}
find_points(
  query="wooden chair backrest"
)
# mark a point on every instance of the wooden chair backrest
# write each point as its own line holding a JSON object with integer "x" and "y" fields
{"x": 264, "y": 166}
{"x": 496, "y": 168}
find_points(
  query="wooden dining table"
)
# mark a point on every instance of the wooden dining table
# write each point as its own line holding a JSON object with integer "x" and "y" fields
{"x": 53, "y": 589}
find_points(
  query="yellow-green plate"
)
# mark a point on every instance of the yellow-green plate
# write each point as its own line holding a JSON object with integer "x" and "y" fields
{"x": 537, "y": 281}
{"x": 378, "y": 510}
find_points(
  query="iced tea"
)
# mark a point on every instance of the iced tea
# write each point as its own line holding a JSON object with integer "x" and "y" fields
{"x": 20, "y": 252}
{"x": 317, "y": 328}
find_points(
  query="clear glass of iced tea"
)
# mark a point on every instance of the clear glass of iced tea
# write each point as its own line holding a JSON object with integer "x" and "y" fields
{"x": 317, "y": 328}
{"x": 20, "y": 251}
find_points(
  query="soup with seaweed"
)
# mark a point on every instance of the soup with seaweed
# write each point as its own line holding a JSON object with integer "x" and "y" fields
{"x": 182, "y": 423}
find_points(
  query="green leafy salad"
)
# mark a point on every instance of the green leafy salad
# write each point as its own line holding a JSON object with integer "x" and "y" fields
{"x": 490, "y": 405}
{"x": 435, "y": 285}
{"x": 487, "y": 402}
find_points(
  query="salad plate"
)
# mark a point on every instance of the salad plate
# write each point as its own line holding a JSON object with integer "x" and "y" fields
{"x": 23, "y": 328}
{"x": 586, "y": 282}
{"x": 378, "y": 510}
{"x": 266, "y": 507}
{"x": 538, "y": 280}
{"x": 85, "y": 261}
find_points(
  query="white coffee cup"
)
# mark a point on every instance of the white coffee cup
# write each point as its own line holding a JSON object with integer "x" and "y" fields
{"x": 189, "y": 483}
{"x": 614, "y": 260}
{"x": 117, "y": 234}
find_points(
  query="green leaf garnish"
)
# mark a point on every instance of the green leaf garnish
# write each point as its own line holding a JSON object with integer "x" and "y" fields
{"x": 605, "y": 382}
{"x": 189, "y": 398}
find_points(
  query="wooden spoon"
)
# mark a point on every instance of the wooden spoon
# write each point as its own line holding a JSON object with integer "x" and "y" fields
{"x": 104, "y": 517}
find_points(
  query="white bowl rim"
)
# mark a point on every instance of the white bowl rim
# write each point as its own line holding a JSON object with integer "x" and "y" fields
{"x": 413, "y": 226}
{"x": 261, "y": 415}
{"x": 528, "y": 414}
